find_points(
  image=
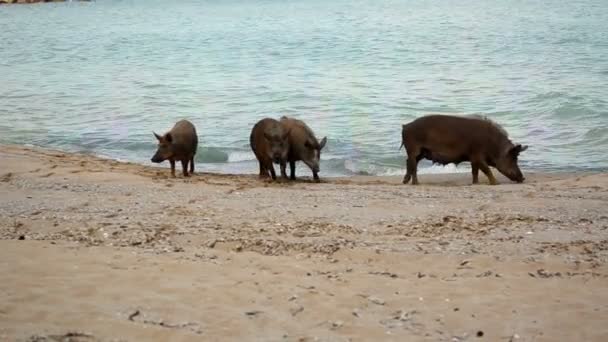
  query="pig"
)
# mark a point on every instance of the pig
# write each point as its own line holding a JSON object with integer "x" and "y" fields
{"x": 269, "y": 142}
{"x": 180, "y": 143}
{"x": 304, "y": 146}
{"x": 445, "y": 139}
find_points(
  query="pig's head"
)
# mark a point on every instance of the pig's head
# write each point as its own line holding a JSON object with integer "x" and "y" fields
{"x": 311, "y": 155}
{"x": 507, "y": 162}
{"x": 278, "y": 142}
{"x": 165, "y": 148}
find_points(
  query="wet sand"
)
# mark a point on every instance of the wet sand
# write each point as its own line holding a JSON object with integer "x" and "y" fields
{"x": 98, "y": 250}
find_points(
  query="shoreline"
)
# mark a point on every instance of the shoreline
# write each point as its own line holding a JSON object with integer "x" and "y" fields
{"x": 432, "y": 178}
{"x": 26, "y": 2}
{"x": 232, "y": 257}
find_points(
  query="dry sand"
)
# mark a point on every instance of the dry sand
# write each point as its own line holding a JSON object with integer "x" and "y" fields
{"x": 97, "y": 250}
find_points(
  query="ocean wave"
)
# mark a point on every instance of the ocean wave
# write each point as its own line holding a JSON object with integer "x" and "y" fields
{"x": 211, "y": 155}
{"x": 240, "y": 156}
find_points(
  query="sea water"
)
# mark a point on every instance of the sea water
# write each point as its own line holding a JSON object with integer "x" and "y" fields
{"x": 99, "y": 77}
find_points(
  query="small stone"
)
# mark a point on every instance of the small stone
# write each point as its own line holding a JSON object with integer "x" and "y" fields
{"x": 479, "y": 333}
{"x": 296, "y": 310}
{"x": 21, "y": 237}
{"x": 337, "y": 324}
{"x": 377, "y": 300}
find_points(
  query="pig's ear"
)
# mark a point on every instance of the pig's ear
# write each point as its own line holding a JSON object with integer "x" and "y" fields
{"x": 158, "y": 137}
{"x": 322, "y": 143}
{"x": 517, "y": 149}
{"x": 267, "y": 136}
{"x": 169, "y": 137}
{"x": 286, "y": 135}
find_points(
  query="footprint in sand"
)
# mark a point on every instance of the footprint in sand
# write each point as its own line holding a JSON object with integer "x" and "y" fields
{"x": 6, "y": 177}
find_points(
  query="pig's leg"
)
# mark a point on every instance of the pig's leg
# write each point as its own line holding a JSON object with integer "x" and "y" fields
{"x": 415, "y": 170}
{"x": 283, "y": 171}
{"x": 486, "y": 170}
{"x": 172, "y": 167}
{"x": 412, "y": 164}
{"x": 475, "y": 172}
{"x": 315, "y": 176}
{"x": 263, "y": 172}
{"x": 192, "y": 165}
{"x": 272, "y": 174}
{"x": 292, "y": 167}
{"x": 408, "y": 170}
{"x": 185, "y": 167}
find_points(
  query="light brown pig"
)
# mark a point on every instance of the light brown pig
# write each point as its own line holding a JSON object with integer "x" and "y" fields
{"x": 304, "y": 146}
{"x": 180, "y": 143}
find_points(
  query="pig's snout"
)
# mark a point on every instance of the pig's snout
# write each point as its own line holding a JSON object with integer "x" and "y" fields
{"x": 518, "y": 177}
{"x": 157, "y": 159}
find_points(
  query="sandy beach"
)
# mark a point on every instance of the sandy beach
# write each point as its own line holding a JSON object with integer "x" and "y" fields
{"x": 98, "y": 250}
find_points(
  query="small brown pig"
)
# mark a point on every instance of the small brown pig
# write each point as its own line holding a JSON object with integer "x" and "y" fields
{"x": 304, "y": 146}
{"x": 269, "y": 142}
{"x": 180, "y": 143}
{"x": 446, "y": 139}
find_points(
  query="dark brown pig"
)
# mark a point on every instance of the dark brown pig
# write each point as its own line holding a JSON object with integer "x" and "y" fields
{"x": 446, "y": 139}
{"x": 269, "y": 143}
{"x": 303, "y": 145}
{"x": 179, "y": 143}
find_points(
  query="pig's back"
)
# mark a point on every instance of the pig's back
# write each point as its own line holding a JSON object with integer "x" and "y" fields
{"x": 184, "y": 135}
{"x": 454, "y": 130}
{"x": 299, "y": 132}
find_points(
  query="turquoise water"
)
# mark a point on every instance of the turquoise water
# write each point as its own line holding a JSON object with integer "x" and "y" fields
{"x": 99, "y": 77}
